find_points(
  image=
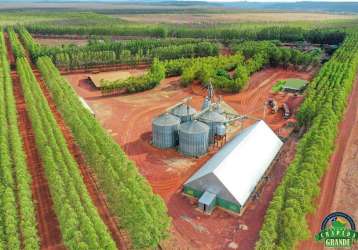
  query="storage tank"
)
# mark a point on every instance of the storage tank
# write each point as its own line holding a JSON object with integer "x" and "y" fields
{"x": 206, "y": 103}
{"x": 193, "y": 138}
{"x": 221, "y": 130}
{"x": 213, "y": 119}
{"x": 218, "y": 108}
{"x": 165, "y": 131}
{"x": 184, "y": 112}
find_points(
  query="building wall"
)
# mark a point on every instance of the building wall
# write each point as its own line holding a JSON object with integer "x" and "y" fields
{"x": 211, "y": 183}
{"x": 219, "y": 201}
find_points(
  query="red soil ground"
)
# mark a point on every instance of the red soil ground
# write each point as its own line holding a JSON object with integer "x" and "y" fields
{"x": 48, "y": 225}
{"x": 128, "y": 119}
{"x": 51, "y": 42}
{"x": 333, "y": 179}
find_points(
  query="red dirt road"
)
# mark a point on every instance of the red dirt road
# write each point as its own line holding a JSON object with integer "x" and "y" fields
{"x": 128, "y": 119}
{"x": 332, "y": 178}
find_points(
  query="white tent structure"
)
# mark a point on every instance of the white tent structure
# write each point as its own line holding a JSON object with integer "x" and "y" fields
{"x": 232, "y": 174}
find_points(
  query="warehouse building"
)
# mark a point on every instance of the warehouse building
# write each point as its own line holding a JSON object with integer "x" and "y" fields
{"x": 229, "y": 178}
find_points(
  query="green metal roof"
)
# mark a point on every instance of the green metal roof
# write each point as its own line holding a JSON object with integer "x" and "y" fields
{"x": 294, "y": 83}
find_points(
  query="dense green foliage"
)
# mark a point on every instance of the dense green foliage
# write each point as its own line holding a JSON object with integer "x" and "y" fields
{"x": 321, "y": 112}
{"x": 279, "y": 56}
{"x": 142, "y": 213}
{"x": 80, "y": 223}
{"x": 15, "y": 43}
{"x": 99, "y": 52}
{"x": 284, "y": 33}
{"x": 137, "y": 84}
{"x": 278, "y": 86}
{"x": 210, "y": 69}
{"x": 256, "y": 56}
{"x": 17, "y": 212}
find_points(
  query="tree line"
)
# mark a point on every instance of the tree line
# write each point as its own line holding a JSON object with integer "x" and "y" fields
{"x": 81, "y": 226}
{"x": 283, "y": 33}
{"x": 232, "y": 73}
{"x": 101, "y": 52}
{"x": 285, "y": 220}
{"x": 274, "y": 55}
{"x": 141, "y": 213}
{"x": 228, "y": 73}
{"x": 17, "y": 212}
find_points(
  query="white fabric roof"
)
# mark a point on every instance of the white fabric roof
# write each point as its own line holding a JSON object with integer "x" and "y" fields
{"x": 85, "y": 105}
{"x": 241, "y": 163}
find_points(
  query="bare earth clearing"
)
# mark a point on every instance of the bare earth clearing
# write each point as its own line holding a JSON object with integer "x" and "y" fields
{"x": 128, "y": 119}
{"x": 52, "y": 42}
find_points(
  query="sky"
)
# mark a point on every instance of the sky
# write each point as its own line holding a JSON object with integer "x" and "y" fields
{"x": 281, "y": 1}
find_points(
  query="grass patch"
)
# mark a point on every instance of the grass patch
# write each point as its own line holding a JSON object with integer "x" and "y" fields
{"x": 278, "y": 86}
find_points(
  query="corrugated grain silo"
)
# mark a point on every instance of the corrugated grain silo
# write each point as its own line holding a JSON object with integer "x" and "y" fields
{"x": 213, "y": 119}
{"x": 221, "y": 130}
{"x": 184, "y": 112}
{"x": 193, "y": 138}
{"x": 165, "y": 131}
{"x": 206, "y": 103}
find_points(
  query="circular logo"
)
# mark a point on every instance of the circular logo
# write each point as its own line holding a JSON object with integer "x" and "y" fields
{"x": 338, "y": 231}
{"x": 338, "y": 220}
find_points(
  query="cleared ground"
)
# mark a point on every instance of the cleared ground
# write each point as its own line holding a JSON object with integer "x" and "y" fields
{"x": 233, "y": 17}
{"x": 52, "y": 42}
{"x": 100, "y": 79}
{"x": 128, "y": 119}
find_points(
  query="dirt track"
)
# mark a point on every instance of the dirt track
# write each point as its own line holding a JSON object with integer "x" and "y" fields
{"x": 48, "y": 225}
{"x": 128, "y": 119}
{"x": 339, "y": 186}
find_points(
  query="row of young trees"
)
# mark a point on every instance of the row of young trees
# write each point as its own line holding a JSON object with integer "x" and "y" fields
{"x": 17, "y": 214}
{"x": 16, "y": 47}
{"x": 111, "y": 52}
{"x": 81, "y": 225}
{"x": 141, "y": 213}
{"x": 285, "y": 220}
{"x": 284, "y": 33}
{"x": 137, "y": 84}
{"x": 274, "y": 55}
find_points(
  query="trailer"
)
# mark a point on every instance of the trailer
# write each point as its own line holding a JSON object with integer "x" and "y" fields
{"x": 286, "y": 111}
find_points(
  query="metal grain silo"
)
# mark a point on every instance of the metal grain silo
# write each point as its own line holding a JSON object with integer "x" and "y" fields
{"x": 221, "y": 130}
{"x": 184, "y": 112}
{"x": 218, "y": 108}
{"x": 193, "y": 138}
{"x": 213, "y": 119}
{"x": 206, "y": 103}
{"x": 165, "y": 131}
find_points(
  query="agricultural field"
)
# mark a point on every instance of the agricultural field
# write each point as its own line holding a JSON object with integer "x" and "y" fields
{"x": 109, "y": 111}
{"x": 245, "y": 17}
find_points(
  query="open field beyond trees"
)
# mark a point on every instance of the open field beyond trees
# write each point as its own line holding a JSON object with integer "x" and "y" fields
{"x": 243, "y": 17}
{"x": 79, "y": 90}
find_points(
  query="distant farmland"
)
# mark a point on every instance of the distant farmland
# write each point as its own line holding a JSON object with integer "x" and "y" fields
{"x": 234, "y": 17}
